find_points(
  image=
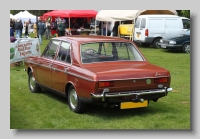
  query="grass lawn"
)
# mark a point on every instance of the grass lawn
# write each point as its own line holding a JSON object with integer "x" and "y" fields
{"x": 46, "y": 110}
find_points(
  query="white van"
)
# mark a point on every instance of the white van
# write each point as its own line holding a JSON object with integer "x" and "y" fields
{"x": 149, "y": 29}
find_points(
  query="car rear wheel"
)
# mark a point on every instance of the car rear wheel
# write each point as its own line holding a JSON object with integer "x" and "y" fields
{"x": 186, "y": 48}
{"x": 155, "y": 43}
{"x": 74, "y": 102}
{"x": 33, "y": 86}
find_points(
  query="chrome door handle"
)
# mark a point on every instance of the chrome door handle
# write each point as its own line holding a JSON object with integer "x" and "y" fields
{"x": 66, "y": 69}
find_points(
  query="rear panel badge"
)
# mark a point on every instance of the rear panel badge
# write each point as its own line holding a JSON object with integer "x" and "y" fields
{"x": 148, "y": 81}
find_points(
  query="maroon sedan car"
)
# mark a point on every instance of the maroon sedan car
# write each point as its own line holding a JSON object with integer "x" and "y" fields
{"x": 109, "y": 71}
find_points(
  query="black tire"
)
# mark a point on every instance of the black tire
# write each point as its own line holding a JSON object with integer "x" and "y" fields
{"x": 74, "y": 103}
{"x": 155, "y": 43}
{"x": 186, "y": 48}
{"x": 33, "y": 86}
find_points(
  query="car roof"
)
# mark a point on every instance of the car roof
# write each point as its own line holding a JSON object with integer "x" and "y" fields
{"x": 90, "y": 38}
{"x": 158, "y": 15}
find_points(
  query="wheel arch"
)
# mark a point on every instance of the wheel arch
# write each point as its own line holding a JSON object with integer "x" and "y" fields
{"x": 29, "y": 69}
{"x": 158, "y": 37}
{"x": 67, "y": 86}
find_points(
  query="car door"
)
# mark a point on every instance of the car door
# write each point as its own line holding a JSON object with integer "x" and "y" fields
{"x": 61, "y": 66}
{"x": 139, "y": 29}
{"x": 45, "y": 63}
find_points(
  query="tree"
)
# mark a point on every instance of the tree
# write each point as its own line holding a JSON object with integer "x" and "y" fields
{"x": 185, "y": 13}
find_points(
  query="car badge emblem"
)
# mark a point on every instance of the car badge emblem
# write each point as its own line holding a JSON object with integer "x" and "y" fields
{"x": 158, "y": 74}
{"x": 148, "y": 81}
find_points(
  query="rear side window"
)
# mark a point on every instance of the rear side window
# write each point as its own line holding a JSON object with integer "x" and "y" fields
{"x": 137, "y": 24}
{"x": 143, "y": 23}
{"x": 186, "y": 23}
{"x": 64, "y": 52}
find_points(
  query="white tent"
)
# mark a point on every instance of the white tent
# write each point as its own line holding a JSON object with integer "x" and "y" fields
{"x": 25, "y": 16}
{"x": 11, "y": 16}
{"x": 123, "y": 15}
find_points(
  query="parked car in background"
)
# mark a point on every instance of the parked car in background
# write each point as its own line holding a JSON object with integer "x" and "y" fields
{"x": 94, "y": 69}
{"x": 181, "y": 44}
{"x": 149, "y": 29}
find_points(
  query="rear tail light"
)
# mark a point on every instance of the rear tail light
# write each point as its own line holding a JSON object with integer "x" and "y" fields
{"x": 146, "y": 32}
{"x": 106, "y": 84}
{"x": 161, "y": 80}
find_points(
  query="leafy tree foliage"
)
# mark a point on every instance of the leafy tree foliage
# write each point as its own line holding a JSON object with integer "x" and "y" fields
{"x": 185, "y": 13}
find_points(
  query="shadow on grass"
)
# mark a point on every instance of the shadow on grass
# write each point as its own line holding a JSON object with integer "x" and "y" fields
{"x": 115, "y": 112}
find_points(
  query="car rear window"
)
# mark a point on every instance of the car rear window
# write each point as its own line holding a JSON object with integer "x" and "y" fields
{"x": 143, "y": 23}
{"x": 109, "y": 51}
{"x": 137, "y": 24}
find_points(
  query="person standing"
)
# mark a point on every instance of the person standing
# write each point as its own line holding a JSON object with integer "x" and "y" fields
{"x": 35, "y": 30}
{"x": 27, "y": 29}
{"x": 115, "y": 29}
{"x": 18, "y": 27}
{"x": 48, "y": 29}
{"x": 41, "y": 30}
{"x": 61, "y": 28}
{"x": 21, "y": 25}
{"x": 11, "y": 30}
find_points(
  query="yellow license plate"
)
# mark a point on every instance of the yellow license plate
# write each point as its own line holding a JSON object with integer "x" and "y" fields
{"x": 138, "y": 35}
{"x": 128, "y": 105}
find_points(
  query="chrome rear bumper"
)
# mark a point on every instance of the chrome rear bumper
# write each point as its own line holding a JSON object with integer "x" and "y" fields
{"x": 105, "y": 94}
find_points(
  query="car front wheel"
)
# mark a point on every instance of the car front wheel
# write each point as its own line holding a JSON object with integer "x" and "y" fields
{"x": 186, "y": 48}
{"x": 33, "y": 86}
{"x": 74, "y": 102}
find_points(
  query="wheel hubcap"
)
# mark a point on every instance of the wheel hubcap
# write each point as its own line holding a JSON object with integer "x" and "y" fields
{"x": 73, "y": 99}
{"x": 187, "y": 48}
{"x": 32, "y": 82}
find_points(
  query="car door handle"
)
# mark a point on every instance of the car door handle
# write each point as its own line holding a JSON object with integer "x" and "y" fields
{"x": 66, "y": 69}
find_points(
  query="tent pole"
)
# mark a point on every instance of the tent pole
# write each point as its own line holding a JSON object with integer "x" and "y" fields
{"x": 95, "y": 26}
{"x": 69, "y": 22}
{"x": 106, "y": 27}
{"x": 101, "y": 28}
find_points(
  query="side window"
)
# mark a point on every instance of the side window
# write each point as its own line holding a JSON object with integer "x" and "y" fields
{"x": 50, "y": 50}
{"x": 64, "y": 53}
{"x": 186, "y": 23}
{"x": 143, "y": 23}
{"x": 137, "y": 24}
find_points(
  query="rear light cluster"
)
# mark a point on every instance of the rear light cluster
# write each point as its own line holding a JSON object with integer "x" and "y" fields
{"x": 161, "y": 80}
{"x": 106, "y": 84}
{"x": 147, "y": 32}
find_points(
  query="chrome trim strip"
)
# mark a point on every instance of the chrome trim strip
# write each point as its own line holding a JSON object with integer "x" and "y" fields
{"x": 134, "y": 78}
{"x": 131, "y": 93}
{"x": 58, "y": 70}
{"x": 80, "y": 76}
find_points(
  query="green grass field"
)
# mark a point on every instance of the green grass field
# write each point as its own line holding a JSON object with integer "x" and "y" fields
{"x": 46, "y": 110}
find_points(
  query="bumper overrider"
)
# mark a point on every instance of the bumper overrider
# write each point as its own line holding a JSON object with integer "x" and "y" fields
{"x": 138, "y": 94}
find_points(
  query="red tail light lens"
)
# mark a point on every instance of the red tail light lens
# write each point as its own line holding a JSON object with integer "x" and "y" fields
{"x": 106, "y": 84}
{"x": 161, "y": 80}
{"x": 146, "y": 32}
